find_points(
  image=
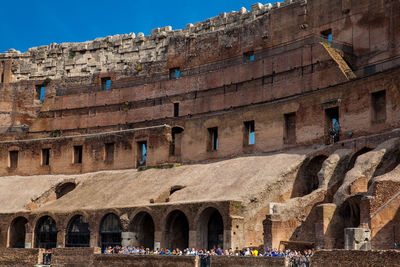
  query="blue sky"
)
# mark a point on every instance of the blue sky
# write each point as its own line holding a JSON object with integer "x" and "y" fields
{"x": 32, "y": 23}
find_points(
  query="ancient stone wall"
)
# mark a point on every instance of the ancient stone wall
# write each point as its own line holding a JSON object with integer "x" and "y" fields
{"x": 352, "y": 258}
{"x": 20, "y": 257}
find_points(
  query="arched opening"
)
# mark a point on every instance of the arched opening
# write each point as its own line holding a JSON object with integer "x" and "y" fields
{"x": 211, "y": 229}
{"x": 64, "y": 189}
{"x": 143, "y": 228}
{"x": 177, "y": 230}
{"x": 17, "y": 233}
{"x": 307, "y": 179}
{"x": 110, "y": 231}
{"x": 351, "y": 212}
{"x": 354, "y": 157}
{"x": 78, "y": 234}
{"x": 46, "y": 233}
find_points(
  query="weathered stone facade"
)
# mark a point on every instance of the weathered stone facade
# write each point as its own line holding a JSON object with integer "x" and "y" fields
{"x": 220, "y": 134}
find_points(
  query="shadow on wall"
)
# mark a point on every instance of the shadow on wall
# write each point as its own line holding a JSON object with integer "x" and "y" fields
{"x": 307, "y": 177}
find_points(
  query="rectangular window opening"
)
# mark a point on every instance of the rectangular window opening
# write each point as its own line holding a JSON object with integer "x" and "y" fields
{"x": 106, "y": 83}
{"x": 13, "y": 155}
{"x": 290, "y": 129}
{"x": 378, "y": 100}
{"x": 40, "y": 92}
{"x": 174, "y": 73}
{"x": 249, "y": 133}
{"x": 327, "y": 34}
{"x": 249, "y": 56}
{"x": 45, "y": 157}
{"x": 332, "y": 128}
{"x": 141, "y": 153}
{"x": 213, "y": 139}
{"x": 176, "y": 109}
{"x": 109, "y": 152}
{"x": 77, "y": 156}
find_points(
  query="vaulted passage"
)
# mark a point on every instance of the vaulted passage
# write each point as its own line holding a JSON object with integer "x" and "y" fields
{"x": 177, "y": 230}
{"x": 78, "y": 234}
{"x": 211, "y": 229}
{"x": 307, "y": 179}
{"x": 351, "y": 212}
{"x": 110, "y": 231}
{"x": 46, "y": 233}
{"x": 17, "y": 232}
{"x": 143, "y": 227}
{"x": 353, "y": 159}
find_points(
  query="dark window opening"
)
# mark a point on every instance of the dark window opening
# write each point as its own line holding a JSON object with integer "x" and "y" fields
{"x": 177, "y": 230}
{"x": 106, "y": 83}
{"x": 45, "y": 157}
{"x": 176, "y": 110}
{"x": 249, "y": 133}
{"x": 332, "y": 126}
{"x": 212, "y": 139}
{"x": 40, "y": 92}
{"x": 46, "y": 233}
{"x": 18, "y": 232}
{"x": 13, "y": 159}
{"x": 141, "y": 153}
{"x": 290, "y": 129}
{"x": 110, "y": 231}
{"x": 249, "y": 56}
{"x": 176, "y": 141}
{"x": 78, "y": 234}
{"x": 64, "y": 189}
{"x": 77, "y": 154}
{"x": 109, "y": 153}
{"x": 378, "y": 106}
{"x": 327, "y": 34}
{"x": 143, "y": 227}
{"x": 174, "y": 73}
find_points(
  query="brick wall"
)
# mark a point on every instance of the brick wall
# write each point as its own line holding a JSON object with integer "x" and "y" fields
{"x": 144, "y": 261}
{"x": 73, "y": 256}
{"x": 353, "y": 258}
{"x": 247, "y": 261}
{"x": 19, "y": 257}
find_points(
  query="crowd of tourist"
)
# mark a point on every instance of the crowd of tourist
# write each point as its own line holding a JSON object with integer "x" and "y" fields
{"x": 296, "y": 258}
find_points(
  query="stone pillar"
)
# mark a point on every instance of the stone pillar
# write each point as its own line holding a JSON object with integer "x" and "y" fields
{"x": 274, "y": 231}
{"x": 128, "y": 239}
{"x": 61, "y": 238}
{"x": 158, "y": 240}
{"x": 357, "y": 239}
{"x": 28, "y": 240}
{"x": 192, "y": 239}
{"x": 94, "y": 239}
{"x": 234, "y": 238}
{"x": 323, "y": 236}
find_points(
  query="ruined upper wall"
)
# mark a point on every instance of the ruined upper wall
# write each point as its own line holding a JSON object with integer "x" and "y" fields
{"x": 128, "y": 54}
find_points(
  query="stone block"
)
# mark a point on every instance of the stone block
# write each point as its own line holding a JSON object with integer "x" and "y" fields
{"x": 357, "y": 238}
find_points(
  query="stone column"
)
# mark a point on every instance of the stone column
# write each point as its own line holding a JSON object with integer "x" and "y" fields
{"x": 357, "y": 239}
{"x": 158, "y": 240}
{"x": 274, "y": 231}
{"x": 234, "y": 238}
{"x": 323, "y": 236}
{"x": 192, "y": 239}
{"x": 94, "y": 239}
{"x": 61, "y": 238}
{"x": 128, "y": 239}
{"x": 28, "y": 240}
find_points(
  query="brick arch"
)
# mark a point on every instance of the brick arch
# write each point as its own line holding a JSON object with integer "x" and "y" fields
{"x": 100, "y": 216}
{"x": 142, "y": 225}
{"x": 19, "y": 214}
{"x": 210, "y": 226}
{"x": 176, "y": 227}
{"x": 184, "y": 210}
{"x": 57, "y": 221}
{"x": 110, "y": 238}
{"x": 147, "y": 210}
{"x": 225, "y": 217}
{"x": 358, "y": 152}
{"x": 15, "y": 236}
{"x": 68, "y": 219}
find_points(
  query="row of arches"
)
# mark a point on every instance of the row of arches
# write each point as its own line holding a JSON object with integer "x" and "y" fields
{"x": 142, "y": 227}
